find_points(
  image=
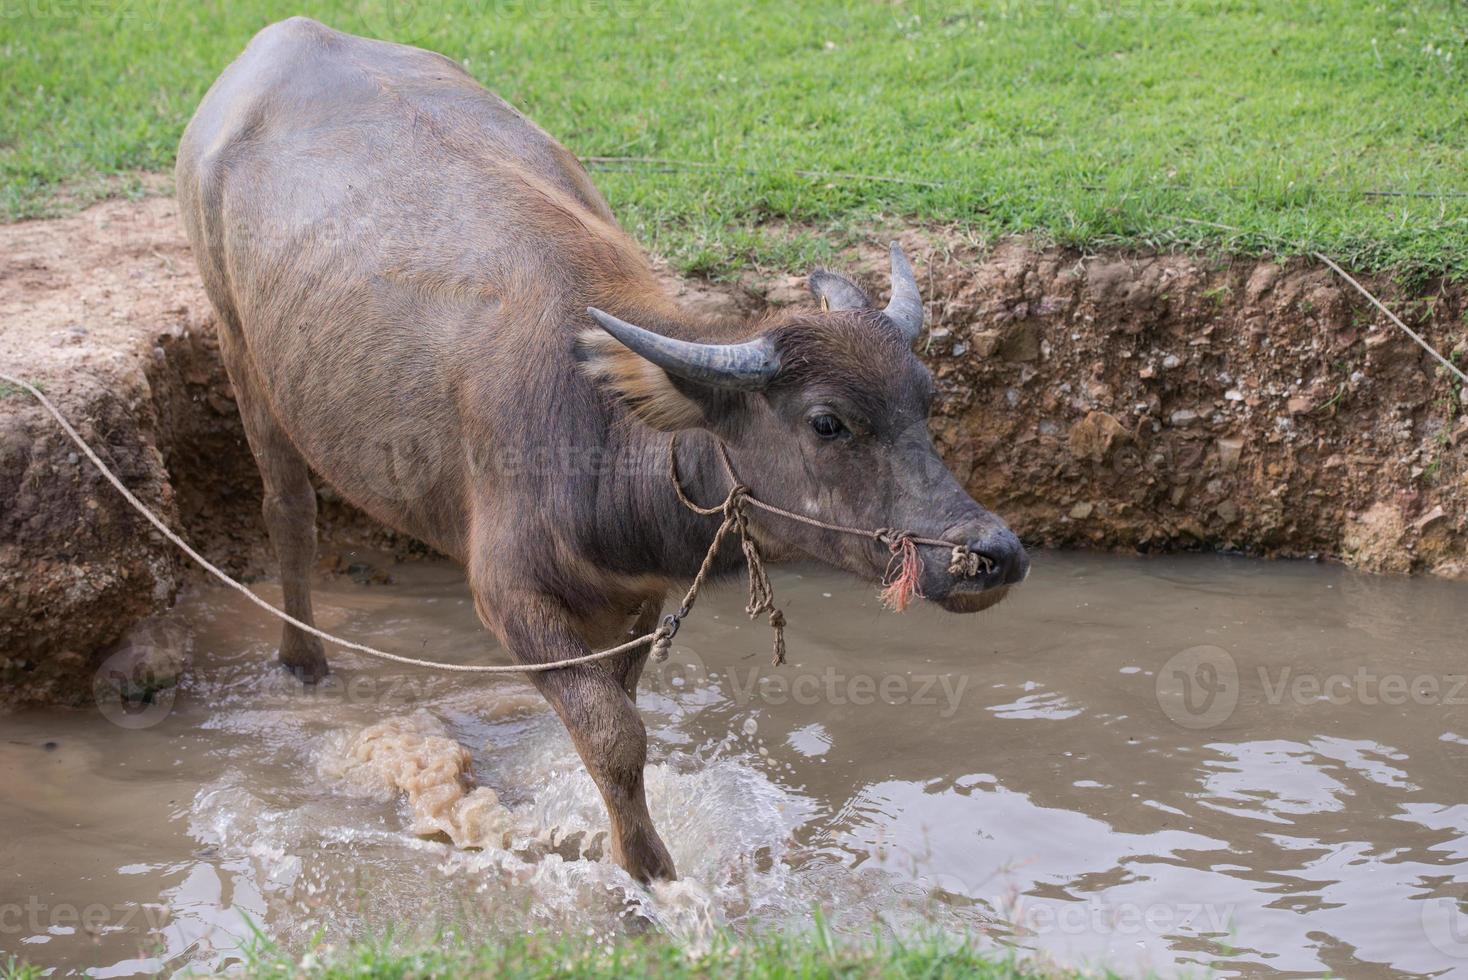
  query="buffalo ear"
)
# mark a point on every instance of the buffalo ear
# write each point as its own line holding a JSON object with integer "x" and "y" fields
{"x": 646, "y": 389}
{"x": 836, "y": 292}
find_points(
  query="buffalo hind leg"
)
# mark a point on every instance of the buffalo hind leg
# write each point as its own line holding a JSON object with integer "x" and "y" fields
{"x": 289, "y": 509}
{"x": 290, "y": 518}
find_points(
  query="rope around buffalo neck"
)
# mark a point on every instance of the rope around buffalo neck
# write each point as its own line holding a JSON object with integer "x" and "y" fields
{"x": 661, "y": 637}
{"x": 904, "y": 568}
{"x": 761, "y": 593}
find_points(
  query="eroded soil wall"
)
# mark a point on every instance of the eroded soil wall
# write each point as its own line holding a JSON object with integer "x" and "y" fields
{"x": 1168, "y": 402}
{"x": 1136, "y": 402}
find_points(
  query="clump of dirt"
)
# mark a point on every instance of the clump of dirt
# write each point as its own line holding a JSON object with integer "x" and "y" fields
{"x": 1123, "y": 401}
{"x": 414, "y": 757}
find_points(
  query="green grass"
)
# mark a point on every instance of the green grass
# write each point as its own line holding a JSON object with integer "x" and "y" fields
{"x": 1090, "y": 122}
{"x": 773, "y": 956}
{"x": 14, "y": 969}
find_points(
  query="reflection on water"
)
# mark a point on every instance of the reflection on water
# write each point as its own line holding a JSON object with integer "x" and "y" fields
{"x": 1164, "y": 764}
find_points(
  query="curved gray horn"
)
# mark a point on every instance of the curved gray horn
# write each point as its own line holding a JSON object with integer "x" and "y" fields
{"x": 838, "y": 292}
{"x": 905, "y": 308}
{"x": 747, "y": 366}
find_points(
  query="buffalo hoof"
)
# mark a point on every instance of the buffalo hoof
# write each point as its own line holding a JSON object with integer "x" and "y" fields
{"x": 645, "y": 858}
{"x": 304, "y": 657}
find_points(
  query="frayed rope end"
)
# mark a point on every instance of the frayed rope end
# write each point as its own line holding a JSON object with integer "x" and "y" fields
{"x": 904, "y": 573}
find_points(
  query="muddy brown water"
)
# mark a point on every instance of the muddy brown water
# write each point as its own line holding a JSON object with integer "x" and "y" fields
{"x": 1173, "y": 765}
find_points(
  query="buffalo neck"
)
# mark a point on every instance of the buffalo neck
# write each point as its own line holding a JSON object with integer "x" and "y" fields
{"x": 642, "y": 526}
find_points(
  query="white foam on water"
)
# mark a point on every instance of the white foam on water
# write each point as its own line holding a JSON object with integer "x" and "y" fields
{"x": 422, "y": 805}
{"x": 398, "y": 823}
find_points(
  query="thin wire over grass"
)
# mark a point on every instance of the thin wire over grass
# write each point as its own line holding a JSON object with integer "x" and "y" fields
{"x": 664, "y": 165}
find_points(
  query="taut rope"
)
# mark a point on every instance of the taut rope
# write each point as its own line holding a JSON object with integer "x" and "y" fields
{"x": 212, "y": 569}
{"x": 761, "y": 595}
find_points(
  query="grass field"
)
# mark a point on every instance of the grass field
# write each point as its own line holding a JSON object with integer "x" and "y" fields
{"x": 1302, "y": 123}
{"x": 773, "y": 956}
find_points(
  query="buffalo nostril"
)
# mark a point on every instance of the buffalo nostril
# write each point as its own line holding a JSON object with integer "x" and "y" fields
{"x": 1008, "y": 562}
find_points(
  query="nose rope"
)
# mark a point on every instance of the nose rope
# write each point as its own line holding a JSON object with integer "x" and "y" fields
{"x": 901, "y": 580}
{"x": 905, "y": 582}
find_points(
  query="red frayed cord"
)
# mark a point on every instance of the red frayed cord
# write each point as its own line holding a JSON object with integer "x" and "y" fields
{"x": 903, "y": 585}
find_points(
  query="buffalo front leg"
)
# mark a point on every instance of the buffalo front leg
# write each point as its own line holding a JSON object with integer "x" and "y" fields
{"x": 289, "y": 508}
{"x": 645, "y": 622}
{"x": 604, "y": 725}
{"x": 611, "y": 739}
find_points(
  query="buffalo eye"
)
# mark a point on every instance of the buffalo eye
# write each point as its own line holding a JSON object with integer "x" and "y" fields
{"x": 827, "y": 426}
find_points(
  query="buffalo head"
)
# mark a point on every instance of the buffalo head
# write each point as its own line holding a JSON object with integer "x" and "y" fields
{"x": 825, "y": 413}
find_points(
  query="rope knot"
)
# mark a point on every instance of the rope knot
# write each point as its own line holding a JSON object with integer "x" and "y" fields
{"x": 734, "y": 503}
{"x": 661, "y": 644}
{"x": 777, "y": 623}
{"x": 966, "y": 563}
{"x": 736, "y": 514}
{"x": 662, "y": 637}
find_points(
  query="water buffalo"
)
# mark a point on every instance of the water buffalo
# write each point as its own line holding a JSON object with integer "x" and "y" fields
{"x": 403, "y": 265}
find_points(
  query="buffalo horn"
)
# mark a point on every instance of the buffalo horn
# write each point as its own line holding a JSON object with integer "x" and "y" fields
{"x": 905, "y": 309}
{"x": 747, "y": 366}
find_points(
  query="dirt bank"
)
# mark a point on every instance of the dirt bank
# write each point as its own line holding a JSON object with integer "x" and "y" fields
{"x": 1117, "y": 401}
{"x": 1165, "y": 402}
{"x": 103, "y": 310}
